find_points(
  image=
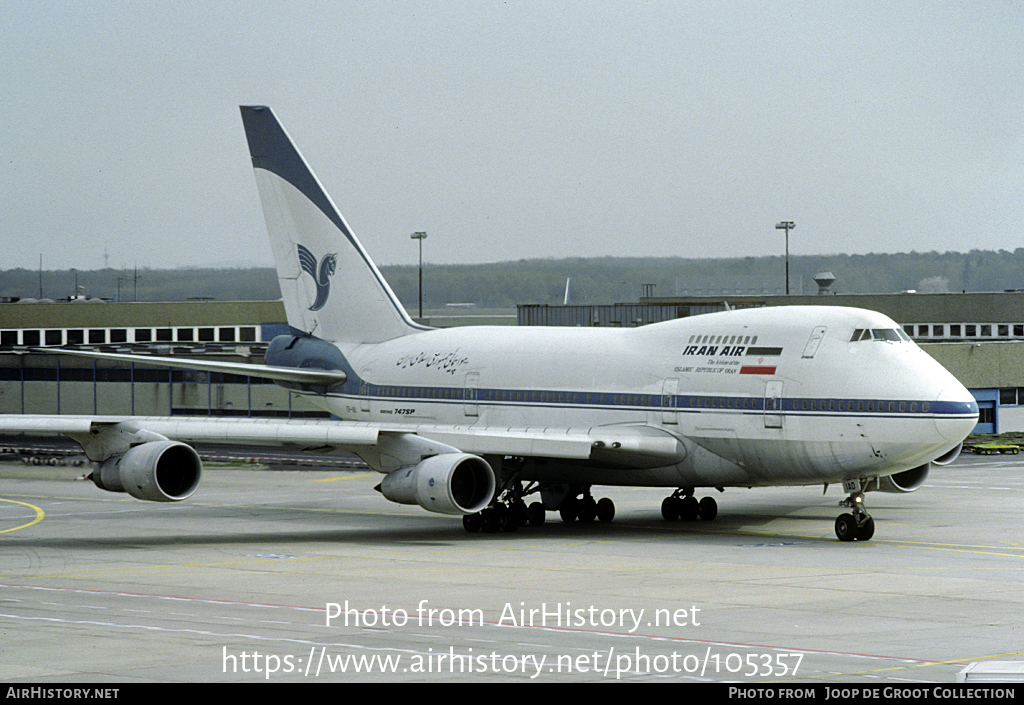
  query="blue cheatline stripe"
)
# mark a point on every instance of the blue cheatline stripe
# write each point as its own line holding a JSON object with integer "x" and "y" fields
{"x": 684, "y": 403}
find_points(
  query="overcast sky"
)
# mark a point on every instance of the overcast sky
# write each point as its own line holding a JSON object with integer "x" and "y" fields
{"x": 514, "y": 129}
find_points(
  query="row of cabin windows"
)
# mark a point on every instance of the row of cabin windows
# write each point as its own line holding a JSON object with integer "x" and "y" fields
{"x": 656, "y": 400}
{"x": 723, "y": 339}
{"x": 812, "y": 404}
{"x": 101, "y": 336}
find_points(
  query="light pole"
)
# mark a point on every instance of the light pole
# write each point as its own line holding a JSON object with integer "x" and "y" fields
{"x": 786, "y": 225}
{"x": 421, "y": 237}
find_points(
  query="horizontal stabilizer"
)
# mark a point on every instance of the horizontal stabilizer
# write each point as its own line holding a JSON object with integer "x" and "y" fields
{"x": 282, "y": 374}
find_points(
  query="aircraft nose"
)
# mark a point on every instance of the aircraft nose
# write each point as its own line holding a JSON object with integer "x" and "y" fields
{"x": 956, "y": 413}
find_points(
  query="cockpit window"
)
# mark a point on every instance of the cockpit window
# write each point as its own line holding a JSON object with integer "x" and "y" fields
{"x": 892, "y": 335}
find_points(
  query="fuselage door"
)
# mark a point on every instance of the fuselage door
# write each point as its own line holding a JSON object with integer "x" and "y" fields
{"x": 773, "y": 404}
{"x": 471, "y": 392}
{"x": 812, "y": 345}
{"x": 668, "y": 401}
{"x": 364, "y": 391}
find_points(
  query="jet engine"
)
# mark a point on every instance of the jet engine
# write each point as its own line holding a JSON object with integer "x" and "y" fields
{"x": 451, "y": 483}
{"x": 158, "y": 471}
{"x": 906, "y": 481}
{"x": 949, "y": 456}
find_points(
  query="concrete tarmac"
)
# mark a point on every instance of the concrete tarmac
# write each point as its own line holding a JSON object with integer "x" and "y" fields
{"x": 250, "y": 579}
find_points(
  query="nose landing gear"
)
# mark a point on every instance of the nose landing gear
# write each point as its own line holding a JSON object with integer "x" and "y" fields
{"x": 857, "y": 525}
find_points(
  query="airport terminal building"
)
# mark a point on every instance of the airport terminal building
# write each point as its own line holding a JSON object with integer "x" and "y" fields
{"x": 35, "y": 382}
{"x": 979, "y": 337}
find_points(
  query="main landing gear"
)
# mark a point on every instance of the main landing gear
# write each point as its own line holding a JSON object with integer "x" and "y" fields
{"x": 683, "y": 506}
{"x": 858, "y": 525}
{"x": 509, "y": 511}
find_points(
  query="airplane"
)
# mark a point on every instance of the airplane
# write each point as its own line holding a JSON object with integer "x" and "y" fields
{"x": 472, "y": 421}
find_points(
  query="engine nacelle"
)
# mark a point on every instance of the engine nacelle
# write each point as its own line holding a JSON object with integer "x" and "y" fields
{"x": 452, "y": 483}
{"x": 949, "y": 456}
{"x": 906, "y": 481}
{"x": 158, "y": 471}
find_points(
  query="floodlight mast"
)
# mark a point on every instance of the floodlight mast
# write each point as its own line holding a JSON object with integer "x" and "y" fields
{"x": 786, "y": 225}
{"x": 421, "y": 237}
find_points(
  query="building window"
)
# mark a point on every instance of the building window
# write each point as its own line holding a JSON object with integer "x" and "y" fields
{"x": 76, "y": 337}
{"x": 143, "y": 335}
{"x": 30, "y": 337}
{"x": 1008, "y": 396}
{"x": 118, "y": 335}
{"x": 97, "y": 336}
{"x": 186, "y": 335}
{"x": 54, "y": 337}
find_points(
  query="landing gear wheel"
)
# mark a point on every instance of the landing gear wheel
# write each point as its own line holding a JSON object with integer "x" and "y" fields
{"x": 537, "y": 514}
{"x": 605, "y": 509}
{"x": 518, "y": 515}
{"x": 866, "y": 530}
{"x": 586, "y": 510}
{"x": 494, "y": 519}
{"x": 689, "y": 508}
{"x": 568, "y": 510}
{"x": 846, "y": 527}
{"x": 472, "y": 522}
{"x": 859, "y": 525}
{"x": 708, "y": 508}
{"x": 670, "y": 508}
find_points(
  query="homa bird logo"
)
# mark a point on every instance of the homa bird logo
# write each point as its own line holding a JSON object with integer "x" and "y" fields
{"x": 321, "y": 274}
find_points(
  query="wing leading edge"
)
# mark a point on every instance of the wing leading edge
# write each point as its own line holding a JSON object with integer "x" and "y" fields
{"x": 303, "y": 375}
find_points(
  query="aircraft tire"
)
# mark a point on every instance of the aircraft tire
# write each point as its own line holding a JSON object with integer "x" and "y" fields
{"x": 605, "y": 510}
{"x": 569, "y": 510}
{"x": 472, "y": 522}
{"x": 518, "y": 514}
{"x": 708, "y": 508}
{"x": 670, "y": 509}
{"x": 586, "y": 511}
{"x": 493, "y": 519}
{"x": 866, "y": 530}
{"x": 689, "y": 508}
{"x": 846, "y": 527}
{"x": 537, "y": 514}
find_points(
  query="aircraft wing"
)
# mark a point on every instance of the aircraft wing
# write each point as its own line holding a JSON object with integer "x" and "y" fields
{"x": 384, "y": 446}
{"x": 300, "y": 375}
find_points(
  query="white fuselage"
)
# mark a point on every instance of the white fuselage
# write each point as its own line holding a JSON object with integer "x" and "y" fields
{"x": 757, "y": 396}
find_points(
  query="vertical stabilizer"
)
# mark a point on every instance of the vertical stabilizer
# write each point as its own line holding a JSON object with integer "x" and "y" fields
{"x": 330, "y": 286}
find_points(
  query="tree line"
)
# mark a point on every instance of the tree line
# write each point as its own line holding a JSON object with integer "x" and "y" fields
{"x": 543, "y": 281}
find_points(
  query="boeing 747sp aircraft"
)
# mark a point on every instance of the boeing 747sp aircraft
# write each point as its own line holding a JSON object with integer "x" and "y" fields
{"x": 473, "y": 421}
